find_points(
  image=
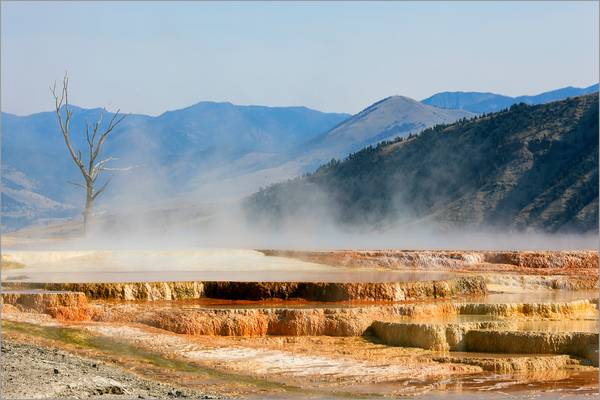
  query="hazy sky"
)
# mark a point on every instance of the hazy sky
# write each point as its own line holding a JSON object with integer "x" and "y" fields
{"x": 152, "y": 57}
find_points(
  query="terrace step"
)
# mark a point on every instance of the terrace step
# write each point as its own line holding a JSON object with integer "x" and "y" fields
{"x": 487, "y": 337}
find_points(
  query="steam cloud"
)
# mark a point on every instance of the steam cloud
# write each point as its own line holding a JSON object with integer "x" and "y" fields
{"x": 148, "y": 208}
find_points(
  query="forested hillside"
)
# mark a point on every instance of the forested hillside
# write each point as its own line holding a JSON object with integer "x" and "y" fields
{"x": 525, "y": 168}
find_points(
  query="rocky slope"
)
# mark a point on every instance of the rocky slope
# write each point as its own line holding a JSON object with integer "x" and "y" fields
{"x": 526, "y": 168}
{"x": 34, "y": 371}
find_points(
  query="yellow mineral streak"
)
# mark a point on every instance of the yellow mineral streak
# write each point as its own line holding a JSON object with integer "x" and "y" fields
{"x": 552, "y": 310}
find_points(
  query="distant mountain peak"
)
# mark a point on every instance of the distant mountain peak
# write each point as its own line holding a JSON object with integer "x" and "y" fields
{"x": 484, "y": 102}
{"x": 396, "y": 103}
{"x": 396, "y": 99}
{"x": 385, "y": 119}
{"x": 399, "y": 97}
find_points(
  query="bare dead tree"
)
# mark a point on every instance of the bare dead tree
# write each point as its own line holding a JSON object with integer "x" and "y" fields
{"x": 91, "y": 166}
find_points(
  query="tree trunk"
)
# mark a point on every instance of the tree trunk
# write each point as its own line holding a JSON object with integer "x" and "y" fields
{"x": 89, "y": 205}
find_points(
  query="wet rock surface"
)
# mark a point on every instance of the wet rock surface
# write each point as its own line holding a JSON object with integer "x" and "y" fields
{"x": 511, "y": 364}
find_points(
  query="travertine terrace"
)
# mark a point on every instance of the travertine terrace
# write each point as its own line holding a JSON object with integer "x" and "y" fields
{"x": 385, "y": 323}
{"x": 575, "y": 264}
{"x": 311, "y": 291}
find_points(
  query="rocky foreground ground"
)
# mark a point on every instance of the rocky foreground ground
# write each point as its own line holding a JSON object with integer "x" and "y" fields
{"x": 33, "y": 371}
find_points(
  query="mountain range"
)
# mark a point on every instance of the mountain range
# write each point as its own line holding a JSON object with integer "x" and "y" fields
{"x": 209, "y": 151}
{"x": 167, "y": 151}
{"x": 525, "y": 168}
{"x": 483, "y": 102}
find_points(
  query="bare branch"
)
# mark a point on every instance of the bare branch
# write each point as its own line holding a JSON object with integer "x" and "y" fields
{"x": 66, "y": 89}
{"x": 99, "y": 167}
{"x": 62, "y": 102}
{"x": 101, "y": 163}
{"x": 97, "y": 126}
{"x": 102, "y": 189}
{"x": 77, "y": 184}
{"x": 129, "y": 168}
{"x": 87, "y": 134}
{"x": 112, "y": 124}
